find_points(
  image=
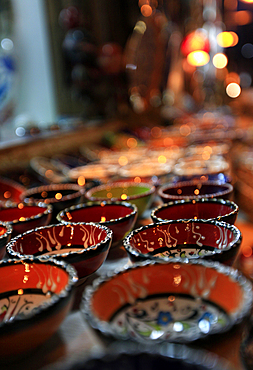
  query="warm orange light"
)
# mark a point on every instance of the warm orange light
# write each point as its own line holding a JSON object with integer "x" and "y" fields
{"x": 137, "y": 179}
{"x": 69, "y": 216}
{"x": 123, "y": 197}
{"x": 185, "y": 130}
{"x": 20, "y": 291}
{"x": 220, "y": 60}
{"x": 198, "y": 58}
{"x": 247, "y": 1}
{"x": 81, "y": 180}
{"x": 247, "y": 251}
{"x": 20, "y": 206}
{"x": 227, "y": 39}
{"x": 21, "y": 219}
{"x": 58, "y": 196}
{"x": 243, "y": 17}
{"x": 7, "y": 194}
{"x": 230, "y": 4}
{"x": 162, "y": 159}
{"x": 156, "y": 132}
{"x": 233, "y": 90}
{"x": 49, "y": 173}
{"x": 195, "y": 41}
{"x": 103, "y": 219}
{"x": 131, "y": 142}
{"x": 232, "y": 77}
{"x": 146, "y": 10}
{"x": 123, "y": 160}
{"x": 196, "y": 191}
{"x": 44, "y": 194}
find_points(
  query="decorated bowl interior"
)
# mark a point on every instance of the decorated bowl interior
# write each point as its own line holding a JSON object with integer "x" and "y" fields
{"x": 191, "y": 239}
{"x": 196, "y": 209}
{"x": 178, "y": 301}
{"x": 59, "y": 239}
{"x": 101, "y": 212}
{"x": 120, "y": 191}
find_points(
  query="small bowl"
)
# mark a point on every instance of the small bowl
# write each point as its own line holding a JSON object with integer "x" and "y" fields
{"x": 178, "y": 301}
{"x": 5, "y": 236}
{"x": 120, "y": 217}
{"x": 36, "y": 296}
{"x": 191, "y": 239}
{"x": 84, "y": 245}
{"x": 195, "y": 190}
{"x": 10, "y": 190}
{"x": 141, "y": 194}
{"x": 59, "y": 196}
{"x": 25, "y": 216}
{"x": 205, "y": 209}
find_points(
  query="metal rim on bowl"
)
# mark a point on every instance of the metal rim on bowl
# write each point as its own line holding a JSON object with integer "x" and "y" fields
{"x": 234, "y": 207}
{"x": 107, "y": 238}
{"x": 236, "y": 232}
{"x": 228, "y": 189}
{"x": 152, "y": 189}
{"x": 235, "y": 318}
{"x": 90, "y": 204}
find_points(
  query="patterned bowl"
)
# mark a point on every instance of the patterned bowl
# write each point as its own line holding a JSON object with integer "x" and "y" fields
{"x": 5, "y": 235}
{"x": 25, "y": 216}
{"x": 202, "y": 208}
{"x": 120, "y": 217}
{"x": 177, "y": 301}
{"x": 84, "y": 245}
{"x": 218, "y": 241}
{"x": 141, "y": 194}
{"x": 59, "y": 196}
{"x": 35, "y": 297}
{"x": 194, "y": 190}
{"x": 10, "y": 190}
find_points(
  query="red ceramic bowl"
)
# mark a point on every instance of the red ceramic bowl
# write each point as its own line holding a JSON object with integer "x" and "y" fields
{"x": 177, "y": 301}
{"x": 35, "y": 297}
{"x": 59, "y": 196}
{"x": 10, "y": 190}
{"x": 192, "y": 239}
{"x": 205, "y": 209}
{"x": 120, "y": 217}
{"x": 25, "y": 216}
{"x": 194, "y": 190}
{"x": 5, "y": 235}
{"x": 84, "y": 245}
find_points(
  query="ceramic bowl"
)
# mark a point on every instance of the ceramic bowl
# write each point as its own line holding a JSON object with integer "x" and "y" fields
{"x": 35, "y": 297}
{"x": 25, "y": 216}
{"x": 59, "y": 196}
{"x": 84, "y": 245}
{"x": 191, "y": 239}
{"x": 5, "y": 235}
{"x": 177, "y": 301}
{"x": 141, "y": 194}
{"x": 120, "y": 217}
{"x": 194, "y": 190}
{"x": 206, "y": 209}
{"x": 10, "y": 190}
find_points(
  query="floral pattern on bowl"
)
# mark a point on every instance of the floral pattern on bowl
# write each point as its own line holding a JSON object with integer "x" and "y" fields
{"x": 177, "y": 301}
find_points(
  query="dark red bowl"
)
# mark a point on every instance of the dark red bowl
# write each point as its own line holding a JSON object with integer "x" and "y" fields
{"x": 5, "y": 235}
{"x": 195, "y": 190}
{"x": 84, "y": 245}
{"x": 59, "y": 196}
{"x": 213, "y": 240}
{"x": 205, "y": 209}
{"x": 120, "y": 217}
{"x": 10, "y": 190}
{"x": 25, "y": 216}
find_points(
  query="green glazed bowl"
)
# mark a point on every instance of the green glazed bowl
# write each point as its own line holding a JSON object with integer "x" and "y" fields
{"x": 140, "y": 194}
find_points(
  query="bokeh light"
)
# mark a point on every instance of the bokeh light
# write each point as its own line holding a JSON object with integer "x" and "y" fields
{"x": 198, "y": 58}
{"x": 233, "y": 90}
{"x": 220, "y": 60}
{"x": 243, "y": 17}
{"x": 227, "y": 39}
{"x": 146, "y": 10}
{"x": 247, "y": 50}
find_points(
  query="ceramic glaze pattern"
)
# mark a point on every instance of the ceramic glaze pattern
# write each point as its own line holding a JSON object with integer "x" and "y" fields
{"x": 169, "y": 318}
{"x": 51, "y": 244}
{"x": 169, "y": 239}
{"x": 20, "y": 305}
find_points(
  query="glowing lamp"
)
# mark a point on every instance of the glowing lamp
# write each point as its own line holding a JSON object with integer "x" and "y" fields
{"x": 198, "y": 58}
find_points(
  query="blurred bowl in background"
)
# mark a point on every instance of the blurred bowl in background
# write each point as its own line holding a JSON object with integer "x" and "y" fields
{"x": 194, "y": 190}
{"x": 24, "y": 216}
{"x": 84, "y": 245}
{"x": 202, "y": 208}
{"x": 10, "y": 190}
{"x": 141, "y": 194}
{"x": 120, "y": 217}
